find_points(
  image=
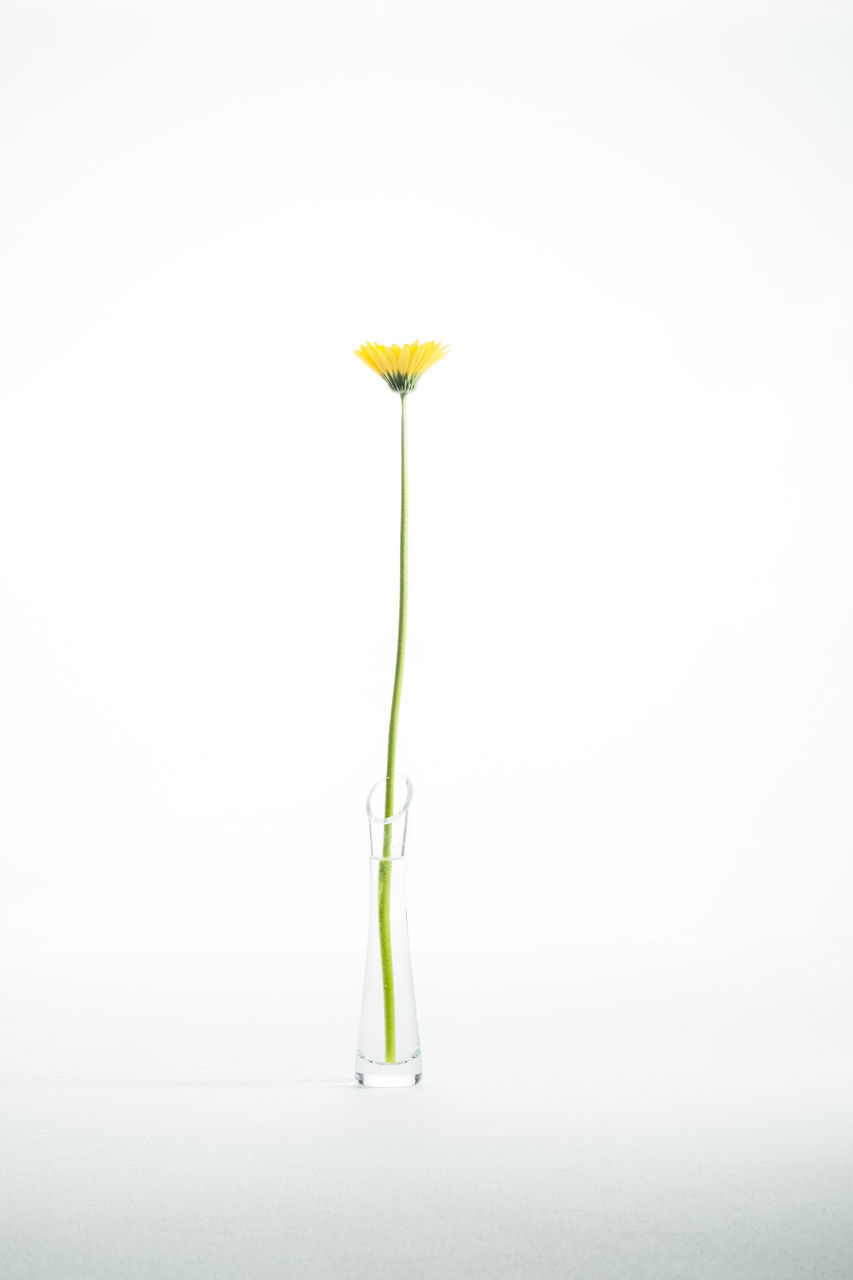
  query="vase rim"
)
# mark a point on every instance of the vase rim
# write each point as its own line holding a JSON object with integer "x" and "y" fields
{"x": 400, "y": 781}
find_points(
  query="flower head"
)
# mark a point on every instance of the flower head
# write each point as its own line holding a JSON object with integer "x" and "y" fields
{"x": 401, "y": 367}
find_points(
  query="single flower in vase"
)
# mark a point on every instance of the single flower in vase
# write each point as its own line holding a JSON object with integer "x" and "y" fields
{"x": 388, "y": 1050}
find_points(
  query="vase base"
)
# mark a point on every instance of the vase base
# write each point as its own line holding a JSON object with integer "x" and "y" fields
{"x": 388, "y": 1075}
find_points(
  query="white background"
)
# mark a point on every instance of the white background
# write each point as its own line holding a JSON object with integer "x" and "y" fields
{"x": 628, "y": 696}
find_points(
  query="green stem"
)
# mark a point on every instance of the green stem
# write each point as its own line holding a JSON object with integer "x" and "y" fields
{"x": 385, "y": 867}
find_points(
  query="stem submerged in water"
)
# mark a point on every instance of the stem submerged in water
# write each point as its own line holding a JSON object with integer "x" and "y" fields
{"x": 385, "y": 868}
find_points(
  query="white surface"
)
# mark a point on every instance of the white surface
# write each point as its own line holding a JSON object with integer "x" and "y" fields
{"x": 655, "y": 1110}
{"x": 628, "y": 693}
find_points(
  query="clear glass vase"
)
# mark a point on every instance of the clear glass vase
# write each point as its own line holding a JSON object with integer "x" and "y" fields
{"x": 388, "y": 1052}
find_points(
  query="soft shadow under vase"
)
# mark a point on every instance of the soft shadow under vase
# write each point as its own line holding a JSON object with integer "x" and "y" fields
{"x": 389, "y": 1052}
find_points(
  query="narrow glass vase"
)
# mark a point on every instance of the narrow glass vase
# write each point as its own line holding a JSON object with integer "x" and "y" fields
{"x": 389, "y": 1052}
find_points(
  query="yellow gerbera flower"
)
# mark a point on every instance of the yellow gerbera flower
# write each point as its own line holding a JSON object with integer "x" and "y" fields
{"x": 401, "y": 367}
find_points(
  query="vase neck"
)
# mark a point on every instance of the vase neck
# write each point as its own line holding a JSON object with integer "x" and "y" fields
{"x": 388, "y": 835}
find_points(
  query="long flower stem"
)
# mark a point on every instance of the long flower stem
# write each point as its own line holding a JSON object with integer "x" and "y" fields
{"x": 385, "y": 867}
